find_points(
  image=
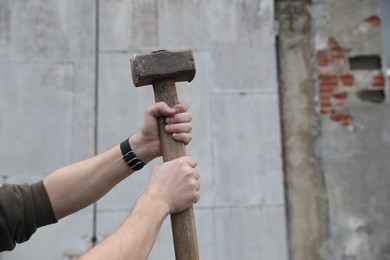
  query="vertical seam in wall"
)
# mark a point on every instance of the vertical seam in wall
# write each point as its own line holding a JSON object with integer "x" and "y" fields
{"x": 282, "y": 140}
{"x": 280, "y": 84}
{"x": 94, "y": 213}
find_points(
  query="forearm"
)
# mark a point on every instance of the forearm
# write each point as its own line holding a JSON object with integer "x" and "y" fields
{"x": 76, "y": 186}
{"x": 136, "y": 236}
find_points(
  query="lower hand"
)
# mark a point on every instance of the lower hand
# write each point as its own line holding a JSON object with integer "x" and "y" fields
{"x": 174, "y": 184}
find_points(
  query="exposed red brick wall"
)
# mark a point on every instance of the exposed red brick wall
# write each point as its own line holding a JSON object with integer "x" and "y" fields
{"x": 337, "y": 82}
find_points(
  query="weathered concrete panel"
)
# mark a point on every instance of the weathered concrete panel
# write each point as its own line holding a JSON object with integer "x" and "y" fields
{"x": 47, "y": 64}
{"x": 250, "y": 233}
{"x": 36, "y": 102}
{"x": 184, "y": 24}
{"x": 47, "y": 30}
{"x": 128, "y": 25}
{"x": 57, "y": 32}
{"x": 247, "y": 152}
{"x": 357, "y": 181}
{"x": 354, "y": 147}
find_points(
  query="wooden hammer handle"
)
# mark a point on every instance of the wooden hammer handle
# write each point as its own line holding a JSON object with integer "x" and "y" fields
{"x": 183, "y": 223}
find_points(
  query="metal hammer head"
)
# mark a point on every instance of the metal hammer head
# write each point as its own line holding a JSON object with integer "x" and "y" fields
{"x": 160, "y": 65}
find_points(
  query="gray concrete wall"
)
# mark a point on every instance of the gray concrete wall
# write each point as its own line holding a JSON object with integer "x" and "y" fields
{"x": 47, "y": 71}
{"x": 47, "y": 63}
{"x": 335, "y": 112}
{"x": 354, "y": 145}
{"x": 385, "y": 18}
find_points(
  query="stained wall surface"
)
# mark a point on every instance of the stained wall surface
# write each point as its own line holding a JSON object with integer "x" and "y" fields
{"x": 64, "y": 69}
{"x": 354, "y": 142}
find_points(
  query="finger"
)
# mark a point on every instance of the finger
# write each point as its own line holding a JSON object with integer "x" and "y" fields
{"x": 179, "y": 118}
{"x": 181, "y": 107}
{"x": 190, "y": 161}
{"x": 197, "y": 187}
{"x": 160, "y": 109}
{"x": 182, "y": 137}
{"x": 179, "y": 128}
{"x": 196, "y": 175}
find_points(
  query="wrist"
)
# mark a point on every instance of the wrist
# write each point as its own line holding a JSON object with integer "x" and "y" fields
{"x": 152, "y": 202}
{"x": 140, "y": 148}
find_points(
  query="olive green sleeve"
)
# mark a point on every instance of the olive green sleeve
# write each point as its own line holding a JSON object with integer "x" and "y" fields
{"x": 23, "y": 209}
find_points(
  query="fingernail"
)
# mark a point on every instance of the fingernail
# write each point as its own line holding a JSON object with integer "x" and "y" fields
{"x": 168, "y": 120}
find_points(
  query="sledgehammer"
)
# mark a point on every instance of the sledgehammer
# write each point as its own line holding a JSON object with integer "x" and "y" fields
{"x": 162, "y": 69}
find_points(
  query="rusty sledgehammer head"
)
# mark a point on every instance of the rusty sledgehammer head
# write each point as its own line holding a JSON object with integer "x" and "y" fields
{"x": 161, "y": 65}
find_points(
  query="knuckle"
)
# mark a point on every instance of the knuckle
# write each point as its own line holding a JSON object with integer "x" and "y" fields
{"x": 182, "y": 161}
{"x": 189, "y": 117}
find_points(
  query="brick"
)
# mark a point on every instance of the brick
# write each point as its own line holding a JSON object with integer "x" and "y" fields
{"x": 326, "y": 90}
{"x": 378, "y": 77}
{"x": 347, "y": 80}
{"x": 340, "y": 96}
{"x": 348, "y": 83}
{"x": 323, "y": 64}
{"x": 347, "y": 77}
{"x": 374, "y": 21}
{"x": 323, "y": 57}
{"x": 378, "y": 81}
{"x": 324, "y": 111}
{"x": 338, "y": 56}
{"x": 340, "y": 117}
{"x": 325, "y": 97}
{"x": 325, "y": 104}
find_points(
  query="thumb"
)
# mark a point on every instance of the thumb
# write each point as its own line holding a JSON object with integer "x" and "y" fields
{"x": 160, "y": 109}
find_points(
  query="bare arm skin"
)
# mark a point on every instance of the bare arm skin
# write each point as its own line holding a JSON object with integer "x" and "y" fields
{"x": 76, "y": 186}
{"x": 173, "y": 187}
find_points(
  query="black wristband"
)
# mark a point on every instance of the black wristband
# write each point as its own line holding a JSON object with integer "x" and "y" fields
{"x": 129, "y": 156}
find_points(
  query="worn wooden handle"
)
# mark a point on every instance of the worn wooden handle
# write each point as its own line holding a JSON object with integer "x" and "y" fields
{"x": 183, "y": 223}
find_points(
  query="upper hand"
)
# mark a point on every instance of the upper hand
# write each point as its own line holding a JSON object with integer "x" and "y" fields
{"x": 178, "y": 124}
